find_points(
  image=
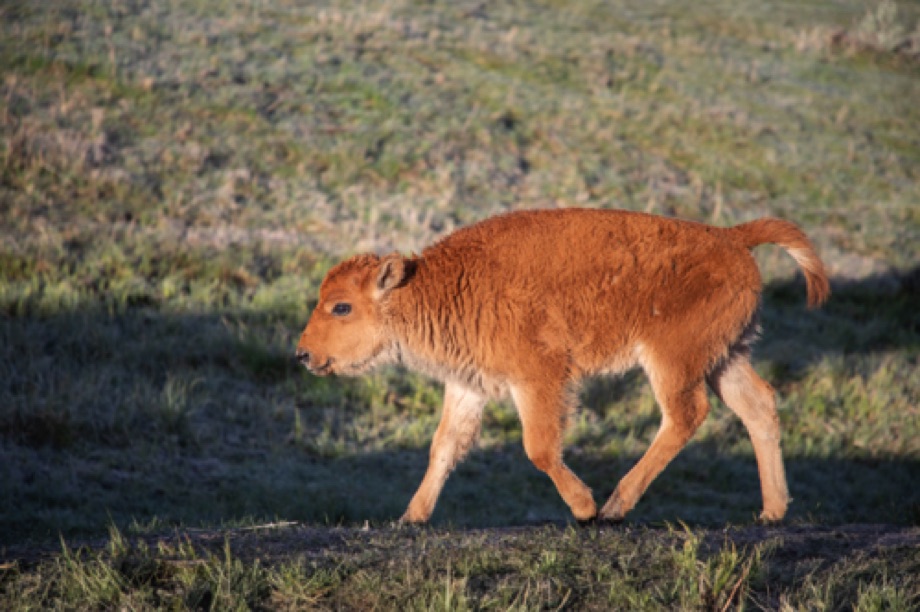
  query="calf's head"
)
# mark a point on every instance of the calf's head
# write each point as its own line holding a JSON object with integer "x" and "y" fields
{"x": 346, "y": 333}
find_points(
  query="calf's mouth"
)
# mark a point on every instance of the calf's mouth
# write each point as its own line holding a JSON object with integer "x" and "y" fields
{"x": 321, "y": 369}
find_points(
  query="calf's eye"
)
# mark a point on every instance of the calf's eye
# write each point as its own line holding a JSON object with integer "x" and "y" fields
{"x": 341, "y": 309}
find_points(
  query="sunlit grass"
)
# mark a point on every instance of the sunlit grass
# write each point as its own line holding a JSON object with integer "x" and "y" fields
{"x": 433, "y": 569}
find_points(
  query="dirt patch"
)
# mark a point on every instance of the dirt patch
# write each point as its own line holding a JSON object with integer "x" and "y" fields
{"x": 281, "y": 542}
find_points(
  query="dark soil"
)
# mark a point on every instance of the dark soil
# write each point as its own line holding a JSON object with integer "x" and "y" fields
{"x": 275, "y": 543}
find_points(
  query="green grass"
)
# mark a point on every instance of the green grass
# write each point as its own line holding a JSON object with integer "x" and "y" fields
{"x": 293, "y": 567}
{"x": 175, "y": 179}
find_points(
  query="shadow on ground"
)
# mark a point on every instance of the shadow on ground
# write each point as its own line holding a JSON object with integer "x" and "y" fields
{"x": 162, "y": 419}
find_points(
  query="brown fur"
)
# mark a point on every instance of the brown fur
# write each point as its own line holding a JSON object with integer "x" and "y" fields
{"x": 529, "y": 303}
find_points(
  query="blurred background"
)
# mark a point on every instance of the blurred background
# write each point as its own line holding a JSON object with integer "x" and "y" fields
{"x": 177, "y": 177}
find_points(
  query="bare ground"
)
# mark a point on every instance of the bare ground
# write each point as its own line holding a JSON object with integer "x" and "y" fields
{"x": 281, "y": 542}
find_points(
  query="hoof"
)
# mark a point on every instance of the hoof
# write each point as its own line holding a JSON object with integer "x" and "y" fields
{"x": 613, "y": 511}
{"x": 775, "y": 513}
{"x": 770, "y": 518}
{"x": 407, "y": 519}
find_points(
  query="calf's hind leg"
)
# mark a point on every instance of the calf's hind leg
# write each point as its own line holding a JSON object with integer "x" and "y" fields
{"x": 684, "y": 406}
{"x": 752, "y": 399}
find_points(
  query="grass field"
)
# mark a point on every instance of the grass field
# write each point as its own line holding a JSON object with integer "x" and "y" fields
{"x": 176, "y": 178}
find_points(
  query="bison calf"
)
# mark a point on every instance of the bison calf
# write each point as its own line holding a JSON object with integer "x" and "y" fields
{"x": 529, "y": 303}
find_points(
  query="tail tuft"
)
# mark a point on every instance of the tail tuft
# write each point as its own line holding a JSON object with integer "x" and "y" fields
{"x": 799, "y": 247}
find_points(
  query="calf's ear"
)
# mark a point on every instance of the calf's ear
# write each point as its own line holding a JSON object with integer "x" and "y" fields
{"x": 393, "y": 271}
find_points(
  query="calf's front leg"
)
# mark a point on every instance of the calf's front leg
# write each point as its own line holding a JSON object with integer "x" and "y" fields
{"x": 461, "y": 421}
{"x": 542, "y": 409}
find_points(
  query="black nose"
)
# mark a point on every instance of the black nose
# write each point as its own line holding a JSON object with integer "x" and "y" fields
{"x": 303, "y": 357}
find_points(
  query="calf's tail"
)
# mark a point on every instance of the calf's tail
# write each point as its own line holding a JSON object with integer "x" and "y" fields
{"x": 797, "y": 244}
